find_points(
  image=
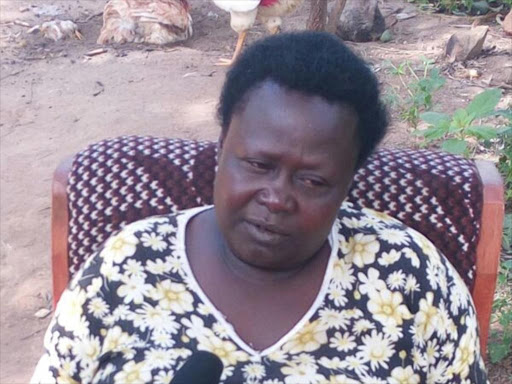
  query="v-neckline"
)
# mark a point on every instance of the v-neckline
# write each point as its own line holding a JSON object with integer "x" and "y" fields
{"x": 182, "y": 222}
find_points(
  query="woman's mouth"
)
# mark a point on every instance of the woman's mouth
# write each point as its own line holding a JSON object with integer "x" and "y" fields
{"x": 265, "y": 233}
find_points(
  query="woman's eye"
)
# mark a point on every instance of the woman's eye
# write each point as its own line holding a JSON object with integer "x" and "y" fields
{"x": 259, "y": 165}
{"x": 313, "y": 183}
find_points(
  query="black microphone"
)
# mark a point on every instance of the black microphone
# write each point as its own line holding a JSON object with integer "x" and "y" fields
{"x": 201, "y": 368}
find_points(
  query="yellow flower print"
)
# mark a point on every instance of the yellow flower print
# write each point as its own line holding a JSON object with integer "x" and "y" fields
{"x": 225, "y": 350}
{"x": 70, "y": 309}
{"x": 355, "y": 363}
{"x": 134, "y": 373}
{"x": 377, "y": 349}
{"x": 308, "y": 339}
{"x": 156, "y": 318}
{"x": 388, "y": 258}
{"x": 254, "y": 371}
{"x": 334, "y": 319}
{"x": 465, "y": 354}
{"x": 115, "y": 338}
{"x": 163, "y": 378}
{"x": 387, "y": 307}
{"x": 340, "y": 379}
{"x": 343, "y": 274}
{"x": 361, "y": 249}
{"x": 301, "y": 374}
{"x": 426, "y": 246}
{"x": 426, "y": 320}
{"x": 394, "y": 236}
{"x": 119, "y": 247}
{"x": 334, "y": 363}
{"x": 64, "y": 377}
{"x": 405, "y": 375}
{"x": 94, "y": 287}
{"x": 88, "y": 350}
{"x": 153, "y": 241}
{"x": 413, "y": 256}
{"x": 342, "y": 342}
{"x": 362, "y": 326}
{"x": 173, "y": 296}
{"x": 157, "y": 267}
{"x": 98, "y": 307}
{"x": 64, "y": 345}
{"x": 278, "y": 355}
{"x": 134, "y": 288}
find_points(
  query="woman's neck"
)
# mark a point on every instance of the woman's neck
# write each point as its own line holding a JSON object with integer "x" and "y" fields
{"x": 258, "y": 275}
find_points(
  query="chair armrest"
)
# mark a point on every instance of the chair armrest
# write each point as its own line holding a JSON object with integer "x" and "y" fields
{"x": 60, "y": 226}
{"x": 489, "y": 246}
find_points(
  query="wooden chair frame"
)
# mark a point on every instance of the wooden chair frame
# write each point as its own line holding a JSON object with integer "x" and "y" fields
{"x": 487, "y": 258}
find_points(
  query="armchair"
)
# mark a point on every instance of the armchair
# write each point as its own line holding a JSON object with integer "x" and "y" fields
{"x": 457, "y": 203}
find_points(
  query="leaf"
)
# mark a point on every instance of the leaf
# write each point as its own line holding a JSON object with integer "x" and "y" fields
{"x": 483, "y": 132}
{"x": 455, "y": 146}
{"x": 504, "y": 131}
{"x": 432, "y": 133}
{"x": 434, "y": 118}
{"x": 484, "y": 103}
{"x": 436, "y": 81}
{"x": 459, "y": 119}
{"x": 507, "y": 113}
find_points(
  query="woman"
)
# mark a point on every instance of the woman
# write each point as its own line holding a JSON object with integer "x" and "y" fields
{"x": 277, "y": 280}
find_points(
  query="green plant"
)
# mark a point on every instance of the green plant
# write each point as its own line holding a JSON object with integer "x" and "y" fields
{"x": 462, "y": 7}
{"x": 505, "y": 158}
{"x": 501, "y": 345}
{"x": 420, "y": 90}
{"x": 501, "y": 340}
{"x": 458, "y": 131}
{"x": 507, "y": 234}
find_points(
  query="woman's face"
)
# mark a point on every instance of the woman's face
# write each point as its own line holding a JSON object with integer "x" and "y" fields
{"x": 285, "y": 165}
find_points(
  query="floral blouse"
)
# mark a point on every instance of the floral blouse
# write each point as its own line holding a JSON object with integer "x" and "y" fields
{"x": 390, "y": 310}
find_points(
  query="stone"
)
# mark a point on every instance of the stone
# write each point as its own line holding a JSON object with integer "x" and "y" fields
{"x": 465, "y": 45}
{"x": 386, "y": 36}
{"x": 361, "y": 21}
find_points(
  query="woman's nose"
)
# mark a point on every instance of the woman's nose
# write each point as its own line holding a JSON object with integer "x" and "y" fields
{"x": 277, "y": 197}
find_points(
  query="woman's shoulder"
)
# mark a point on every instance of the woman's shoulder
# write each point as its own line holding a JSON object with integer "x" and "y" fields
{"x": 150, "y": 246}
{"x": 152, "y": 235}
{"x": 377, "y": 241}
{"x": 358, "y": 221}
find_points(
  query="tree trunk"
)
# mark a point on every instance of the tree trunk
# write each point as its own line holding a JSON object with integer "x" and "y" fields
{"x": 334, "y": 15}
{"x": 317, "y": 15}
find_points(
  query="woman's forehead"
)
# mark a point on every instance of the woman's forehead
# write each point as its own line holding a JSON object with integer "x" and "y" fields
{"x": 275, "y": 118}
{"x": 269, "y": 95}
{"x": 272, "y": 105}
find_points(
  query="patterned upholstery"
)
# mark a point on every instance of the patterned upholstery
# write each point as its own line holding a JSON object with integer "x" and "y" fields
{"x": 117, "y": 181}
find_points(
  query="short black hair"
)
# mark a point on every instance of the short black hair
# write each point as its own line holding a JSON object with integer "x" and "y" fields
{"x": 315, "y": 63}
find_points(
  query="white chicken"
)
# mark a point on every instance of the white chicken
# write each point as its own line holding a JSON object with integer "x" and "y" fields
{"x": 145, "y": 21}
{"x": 244, "y": 14}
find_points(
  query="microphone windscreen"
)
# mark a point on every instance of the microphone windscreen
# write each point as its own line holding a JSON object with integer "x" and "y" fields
{"x": 201, "y": 368}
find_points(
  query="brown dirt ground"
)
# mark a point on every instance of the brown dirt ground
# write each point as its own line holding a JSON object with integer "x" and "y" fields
{"x": 54, "y": 101}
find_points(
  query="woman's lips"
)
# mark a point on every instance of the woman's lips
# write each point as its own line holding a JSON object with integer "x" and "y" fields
{"x": 264, "y": 232}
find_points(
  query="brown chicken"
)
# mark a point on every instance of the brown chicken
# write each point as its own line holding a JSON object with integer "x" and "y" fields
{"x": 145, "y": 21}
{"x": 244, "y": 14}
